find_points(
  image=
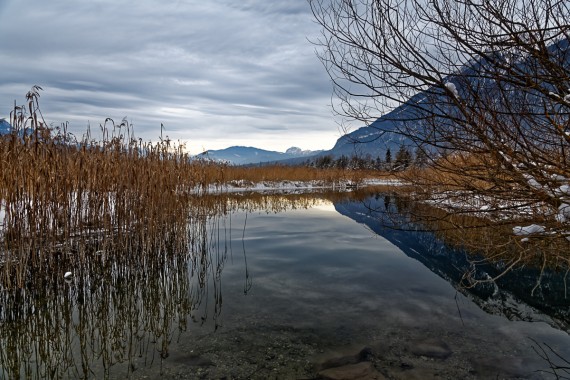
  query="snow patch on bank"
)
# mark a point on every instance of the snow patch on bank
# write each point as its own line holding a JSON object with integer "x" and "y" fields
{"x": 505, "y": 210}
{"x": 529, "y": 230}
{"x": 237, "y": 186}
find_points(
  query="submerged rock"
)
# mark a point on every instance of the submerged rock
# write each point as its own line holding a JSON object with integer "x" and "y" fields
{"x": 351, "y": 367}
{"x": 431, "y": 348}
{"x": 364, "y": 355}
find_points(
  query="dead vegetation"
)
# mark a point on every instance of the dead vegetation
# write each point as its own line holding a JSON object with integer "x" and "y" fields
{"x": 60, "y": 193}
{"x": 482, "y": 225}
{"x": 132, "y": 292}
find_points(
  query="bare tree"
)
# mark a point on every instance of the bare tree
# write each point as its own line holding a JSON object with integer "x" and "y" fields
{"x": 483, "y": 86}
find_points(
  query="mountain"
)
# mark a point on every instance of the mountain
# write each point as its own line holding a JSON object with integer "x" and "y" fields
{"x": 417, "y": 117}
{"x": 373, "y": 140}
{"x": 5, "y": 127}
{"x": 243, "y": 155}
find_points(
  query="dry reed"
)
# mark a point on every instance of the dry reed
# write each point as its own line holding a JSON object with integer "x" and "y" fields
{"x": 131, "y": 295}
{"x": 55, "y": 190}
{"x": 58, "y": 192}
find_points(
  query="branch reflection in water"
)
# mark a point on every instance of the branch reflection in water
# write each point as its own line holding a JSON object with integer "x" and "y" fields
{"x": 133, "y": 287}
{"x": 485, "y": 264}
{"x": 480, "y": 262}
{"x": 139, "y": 287}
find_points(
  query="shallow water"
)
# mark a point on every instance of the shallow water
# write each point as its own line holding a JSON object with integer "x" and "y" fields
{"x": 283, "y": 293}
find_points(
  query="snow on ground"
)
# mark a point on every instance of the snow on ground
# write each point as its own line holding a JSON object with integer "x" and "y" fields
{"x": 237, "y": 186}
{"x": 2, "y": 214}
{"x": 488, "y": 207}
{"x": 552, "y": 184}
{"x": 528, "y": 230}
{"x": 479, "y": 205}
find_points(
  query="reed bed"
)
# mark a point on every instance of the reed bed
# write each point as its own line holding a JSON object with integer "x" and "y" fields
{"x": 277, "y": 173}
{"x": 129, "y": 298}
{"x": 121, "y": 309}
{"x": 485, "y": 241}
{"x": 55, "y": 189}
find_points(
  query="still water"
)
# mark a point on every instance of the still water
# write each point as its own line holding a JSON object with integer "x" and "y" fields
{"x": 293, "y": 293}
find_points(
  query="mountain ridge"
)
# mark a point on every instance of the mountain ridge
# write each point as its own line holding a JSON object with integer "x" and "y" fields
{"x": 247, "y": 155}
{"x": 5, "y": 127}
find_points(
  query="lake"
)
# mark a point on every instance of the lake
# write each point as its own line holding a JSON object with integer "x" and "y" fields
{"x": 290, "y": 287}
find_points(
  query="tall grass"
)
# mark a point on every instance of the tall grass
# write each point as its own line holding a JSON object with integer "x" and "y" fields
{"x": 56, "y": 189}
{"x": 58, "y": 192}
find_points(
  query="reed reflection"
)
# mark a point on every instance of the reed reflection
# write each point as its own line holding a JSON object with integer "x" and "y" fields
{"x": 119, "y": 307}
{"x": 136, "y": 285}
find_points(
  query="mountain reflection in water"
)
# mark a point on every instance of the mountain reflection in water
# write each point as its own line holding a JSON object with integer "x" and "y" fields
{"x": 511, "y": 295}
{"x": 265, "y": 265}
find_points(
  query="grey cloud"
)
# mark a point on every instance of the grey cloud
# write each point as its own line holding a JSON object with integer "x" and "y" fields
{"x": 204, "y": 69}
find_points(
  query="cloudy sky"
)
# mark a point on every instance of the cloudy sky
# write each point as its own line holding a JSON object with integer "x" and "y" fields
{"x": 216, "y": 73}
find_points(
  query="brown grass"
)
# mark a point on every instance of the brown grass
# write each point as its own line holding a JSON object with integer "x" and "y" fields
{"x": 217, "y": 174}
{"x": 457, "y": 172}
{"x": 60, "y": 194}
{"x": 54, "y": 189}
{"x": 479, "y": 204}
{"x": 492, "y": 241}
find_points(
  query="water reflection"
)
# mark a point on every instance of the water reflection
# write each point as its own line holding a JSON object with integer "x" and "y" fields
{"x": 134, "y": 289}
{"x": 514, "y": 294}
{"x": 117, "y": 308}
{"x": 134, "y": 295}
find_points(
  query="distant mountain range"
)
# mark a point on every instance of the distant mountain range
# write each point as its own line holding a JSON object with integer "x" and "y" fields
{"x": 4, "y": 127}
{"x": 372, "y": 140}
{"x": 430, "y": 106}
{"x": 243, "y": 155}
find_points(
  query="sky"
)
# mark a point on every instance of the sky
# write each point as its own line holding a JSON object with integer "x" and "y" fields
{"x": 215, "y": 73}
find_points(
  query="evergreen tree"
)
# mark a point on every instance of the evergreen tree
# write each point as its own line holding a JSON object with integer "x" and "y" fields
{"x": 422, "y": 159}
{"x": 378, "y": 163}
{"x": 403, "y": 158}
{"x": 342, "y": 162}
{"x": 324, "y": 162}
{"x": 388, "y": 160}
